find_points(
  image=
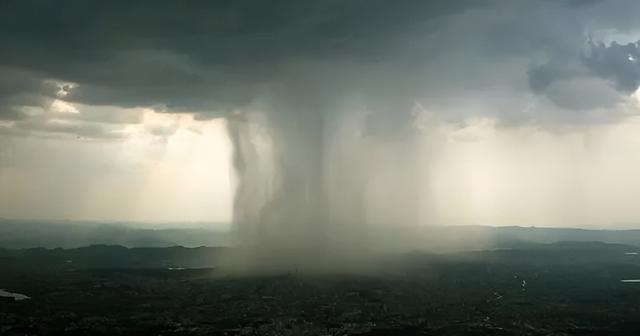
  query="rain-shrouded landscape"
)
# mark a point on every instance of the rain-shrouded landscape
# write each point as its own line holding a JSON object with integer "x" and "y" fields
{"x": 503, "y": 281}
{"x": 325, "y": 167}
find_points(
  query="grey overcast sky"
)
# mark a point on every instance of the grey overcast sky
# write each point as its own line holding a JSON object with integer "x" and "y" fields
{"x": 117, "y": 110}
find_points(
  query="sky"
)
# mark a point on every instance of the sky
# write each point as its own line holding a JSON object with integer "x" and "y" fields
{"x": 488, "y": 112}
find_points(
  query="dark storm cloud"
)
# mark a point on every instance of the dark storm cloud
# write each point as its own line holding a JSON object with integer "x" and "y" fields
{"x": 212, "y": 56}
{"x": 543, "y": 75}
{"x": 198, "y": 55}
{"x": 220, "y": 32}
{"x": 617, "y": 66}
{"x": 620, "y": 63}
{"x": 578, "y": 71}
{"x": 19, "y": 88}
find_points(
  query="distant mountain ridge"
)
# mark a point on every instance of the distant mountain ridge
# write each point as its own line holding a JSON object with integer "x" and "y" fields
{"x": 19, "y": 234}
{"x": 514, "y": 234}
{"x": 22, "y": 234}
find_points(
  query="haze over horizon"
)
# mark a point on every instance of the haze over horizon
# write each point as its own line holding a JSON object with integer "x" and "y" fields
{"x": 395, "y": 114}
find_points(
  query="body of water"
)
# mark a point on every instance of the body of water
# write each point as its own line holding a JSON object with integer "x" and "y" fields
{"x": 15, "y": 296}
